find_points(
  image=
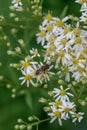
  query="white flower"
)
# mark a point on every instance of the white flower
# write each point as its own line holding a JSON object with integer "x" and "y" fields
{"x": 16, "y": 3}
{"x": 77, "y": 117}
{"x": 56, "y": 104}
{"x": 63, "y": 57}
{"x": 27, "y": 77}
{"x": 34, "y": 53}
{"x": 55, "y": 114}
{"x": 41, "y": 35}
{"x": 25, "y": 63}
{"x": 84, "y": 7}
{"x": 80, "y": 72}
{"x": 61, "y": 94}
{"x": 66, "y": 109}
{"x": 83, "y": 18}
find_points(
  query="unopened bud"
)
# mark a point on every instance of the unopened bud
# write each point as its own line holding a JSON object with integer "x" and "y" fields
{"x": 16, "y": 127}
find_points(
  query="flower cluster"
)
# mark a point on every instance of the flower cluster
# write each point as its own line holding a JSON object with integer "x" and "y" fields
{"x": 62, "y": 108}
{"x": 34, "y": 70}
{"x": 36, "y": 7}
{"x": 83, "y": 10}
{"x": 65, "y": 44}
{"x": 61, "y": 60}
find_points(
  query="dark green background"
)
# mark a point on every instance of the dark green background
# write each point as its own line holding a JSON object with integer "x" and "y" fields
{"x": 12, "y": 109}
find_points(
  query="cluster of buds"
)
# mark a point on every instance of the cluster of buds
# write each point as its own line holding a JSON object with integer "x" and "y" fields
{"x": 36, "y": 7}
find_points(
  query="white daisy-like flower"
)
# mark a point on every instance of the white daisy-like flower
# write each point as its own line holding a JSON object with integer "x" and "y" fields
{"x": 27, "y": 78}
{"x": 61, "y": 94}
{"x": 60, "y": 23}
{"x": 34, "y": 53}
{"x": 81, "y": 1}
{"x": 79, "y": 72}
{"x": 84, "y": 7}
{"x": 66, "y": 109}
{"x": 17, "y": 4}
{"x": 41, "y": 35}
{"x": 56, "y": 104}
{"x": 27, "y": 64}
{"x": 75, "y": 63}
{"x": 63, "y": 57}
{"x": 77, "y": 117}
{"x": 57, "y": 31}
{"x": 55, "y": 114}
{"x": 83, "y": 18}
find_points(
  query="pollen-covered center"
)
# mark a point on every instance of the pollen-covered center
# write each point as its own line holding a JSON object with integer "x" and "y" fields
{"x": 52, "y": 38}
{"x": 78, "y": 40}
{"x": 49, "y": 27}
{"x": 25, "y": 64}
{"x": 48, "y": 16}
{"x": 80, "y": 69}
{"x": 75, "y": 61}
{"x": 63, "y": 41}
{"x": 66, "y": 109}
{"x": 81, "y": 57}
{"x": 62, "y": 92}
{"x": 57, "y": 104}
{"x": 77, "y": 115}
{"x": 76, "y": 31}
{"x": 59, "y": 23}
{"x": 85, "y": 50}
{"x": 57, "y": 114}
{"x": 42, "y": 33}
{"x": 66, "y": 30}
{"x": 61, "y": 53}
{"x": 17, "y": 1}
{"x": 27, "y": 77}
{"x": 84, "y": 1}
{"x": 35, "y": 52}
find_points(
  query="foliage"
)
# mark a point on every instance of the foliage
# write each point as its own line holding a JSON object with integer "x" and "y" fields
{"x": 44, "y": 85}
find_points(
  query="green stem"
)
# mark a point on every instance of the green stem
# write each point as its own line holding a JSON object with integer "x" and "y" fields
{"x": 40, "y": 121}
{"x": 73, "y": 90}
{"x": 80, "y": 92}
{"x": 41, "y": 2}
{"x": 9, "y": 24}
{"x": 36, "y": 127}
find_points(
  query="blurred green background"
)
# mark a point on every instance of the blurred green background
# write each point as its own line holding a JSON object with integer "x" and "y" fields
{"x": 12, "y": 109}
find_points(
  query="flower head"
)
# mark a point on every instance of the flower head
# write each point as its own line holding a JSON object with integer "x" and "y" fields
{"x": 77, "y": 117}
{"x": 61, "y": 94}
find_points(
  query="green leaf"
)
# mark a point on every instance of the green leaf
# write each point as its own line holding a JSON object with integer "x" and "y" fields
{"x": 64, "y": 12}
{"x": 28, "y": 99}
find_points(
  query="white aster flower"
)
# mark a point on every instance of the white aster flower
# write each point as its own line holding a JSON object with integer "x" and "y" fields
{"x": 63, "y": 57}
{"x": 66, "y": 109}
{"x": 41, "y": 35}
{"x": 84, "y": 7}
{"x": 56, "y": 104}
{"x": 34, "y": 53}
{"x": 83, "y": 18}
{"x": 79, "y": 72}
{"x": 77, "y": 117}
{"x": 55, "y": 114}
{"x": 27, "y": 77}
{"x": 17, "y": 4}
{"x": 61, "y": 94}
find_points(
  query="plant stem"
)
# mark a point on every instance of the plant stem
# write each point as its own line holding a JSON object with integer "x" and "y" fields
{"x": 40, "y": 121}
